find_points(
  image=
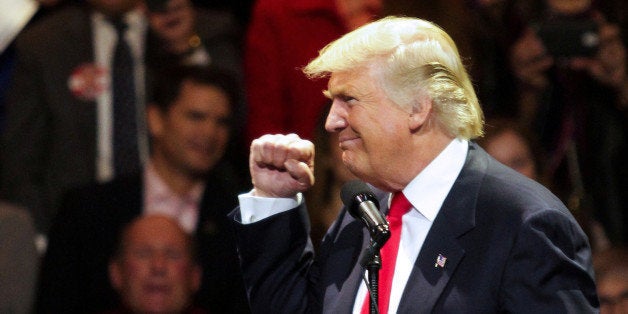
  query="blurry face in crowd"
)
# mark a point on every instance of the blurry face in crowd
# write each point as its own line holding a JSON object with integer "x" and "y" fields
{"x": 174, "y": 20}
{"x": 356, "y": 13}
{"x": 613, "y": 293}
{"x": 193, "y": 135}
{"x": 568, "y": 6}
{"x": 511, "y": 149}
{"x": 155, "y": 272}
{"x": 114, "y": 7}
{"x": 372, "y": 130}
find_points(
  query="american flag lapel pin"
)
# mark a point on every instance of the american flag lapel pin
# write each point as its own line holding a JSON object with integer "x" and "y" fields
{"x": 440, "y": 261}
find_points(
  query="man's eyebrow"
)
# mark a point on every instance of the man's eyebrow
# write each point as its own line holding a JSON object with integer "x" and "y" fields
{"x": 337, "y": 92}
{"x": 327, "y": 94}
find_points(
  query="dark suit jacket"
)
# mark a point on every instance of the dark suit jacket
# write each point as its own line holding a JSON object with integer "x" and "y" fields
{"x": 49, "y": 140}
{"x": 511, "y": 246}
{"x": 74, "y": 277}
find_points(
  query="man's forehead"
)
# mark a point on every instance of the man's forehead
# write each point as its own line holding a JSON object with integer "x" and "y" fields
{"x": 341, "y": 81}
{"x": 354, "y": 82}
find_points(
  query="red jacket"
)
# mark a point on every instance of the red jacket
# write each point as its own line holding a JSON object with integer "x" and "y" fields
{"x": 284, "y": 35}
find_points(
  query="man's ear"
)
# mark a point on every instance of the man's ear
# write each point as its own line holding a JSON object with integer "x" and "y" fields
{"x": 420, "y": 113}
{"x": 154, "y": 119}
{"x": 115, "y": 275}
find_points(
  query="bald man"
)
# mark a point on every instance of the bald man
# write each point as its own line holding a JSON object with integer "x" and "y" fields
{"x": 154, "y": 269}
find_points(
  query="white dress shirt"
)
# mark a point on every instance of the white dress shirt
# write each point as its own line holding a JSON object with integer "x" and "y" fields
{"x": 426, "y": 192}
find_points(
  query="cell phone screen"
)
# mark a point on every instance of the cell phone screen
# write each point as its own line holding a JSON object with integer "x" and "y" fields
{"x": 569, "y": 38}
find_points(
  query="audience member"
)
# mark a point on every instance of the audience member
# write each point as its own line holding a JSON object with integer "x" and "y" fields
{"x": 187, "y": 177}
{"x": 154, "y": 269}
{"x": 573, "y": 99}
{"x": 185, "y": 34}
{"x": 611, "y": 271}
{"x": 61, "y": 101}
{"x": 22, "y": 13}
{"x": 282, "y": 37}
{"x": 64, "y": 98}
{"x": 19, "y": 260}
{"x": 467, "y": 234}
{"x": 510, "y": 144}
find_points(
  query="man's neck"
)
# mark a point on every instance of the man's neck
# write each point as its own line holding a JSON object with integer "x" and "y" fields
{"x": 179, "y": 182}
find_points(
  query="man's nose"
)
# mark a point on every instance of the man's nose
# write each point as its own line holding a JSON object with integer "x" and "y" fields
{"x": 158, "y": 264}
{"x": 337, "y": 117}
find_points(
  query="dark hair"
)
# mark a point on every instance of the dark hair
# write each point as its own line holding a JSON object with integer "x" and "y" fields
{"x": 169, "y": 81}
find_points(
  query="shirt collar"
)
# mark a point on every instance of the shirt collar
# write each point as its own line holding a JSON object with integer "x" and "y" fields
{"x": 156, "y": 188}
{"x": 428, "y": 190}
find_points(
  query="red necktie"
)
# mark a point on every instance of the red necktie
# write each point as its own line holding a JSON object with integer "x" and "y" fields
{"x": 398, "y": 207}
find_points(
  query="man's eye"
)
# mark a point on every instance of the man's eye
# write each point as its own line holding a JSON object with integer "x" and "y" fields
{"x": 196, "y": 116}
{"x": 142, "y": 253}
{"x": 347, "y": 98}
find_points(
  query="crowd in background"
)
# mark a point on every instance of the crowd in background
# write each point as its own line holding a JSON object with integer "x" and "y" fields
{"x": 556, "y": 110}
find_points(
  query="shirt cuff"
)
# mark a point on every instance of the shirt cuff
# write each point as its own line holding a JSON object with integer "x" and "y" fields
{"x": 255, "y": 208}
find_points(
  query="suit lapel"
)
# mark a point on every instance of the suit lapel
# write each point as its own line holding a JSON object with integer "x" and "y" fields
{"x": 456, "y": 217}
{"x": 350, "y": 238}
{"x": 78, "y": 50}
{"x": 343, "y": 267}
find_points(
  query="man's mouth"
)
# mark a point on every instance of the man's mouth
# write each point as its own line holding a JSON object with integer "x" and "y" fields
{"x": 156, "y": 288}
{"x": 347, "y": 141}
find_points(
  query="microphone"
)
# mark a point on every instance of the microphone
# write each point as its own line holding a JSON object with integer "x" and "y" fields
{"x": 363, "y": 205}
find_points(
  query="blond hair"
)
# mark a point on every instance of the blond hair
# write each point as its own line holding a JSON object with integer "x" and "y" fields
{"x": 417, "y": 58}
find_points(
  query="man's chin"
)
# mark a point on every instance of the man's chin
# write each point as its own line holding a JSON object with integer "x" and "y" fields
{"x": 197, "y": 172}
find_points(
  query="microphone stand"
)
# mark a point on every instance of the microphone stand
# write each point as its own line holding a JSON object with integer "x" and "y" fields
{"x": 372, "y": 261}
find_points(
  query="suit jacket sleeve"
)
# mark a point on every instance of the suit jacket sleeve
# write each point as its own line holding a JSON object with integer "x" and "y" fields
{"x": 276, "y": 256}
{"x": 549, "y": 268}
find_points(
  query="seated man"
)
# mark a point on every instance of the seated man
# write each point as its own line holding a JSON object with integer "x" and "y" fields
{"x": 154, "y": 269}
{"x": 187, "y": 177}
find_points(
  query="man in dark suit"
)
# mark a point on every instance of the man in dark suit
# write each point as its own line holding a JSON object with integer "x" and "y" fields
{"x": 54, "y": 137}
{"x": 467, "y": 234}
{"x": 187, "y": 177}
{"x": 60, "y": 126}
